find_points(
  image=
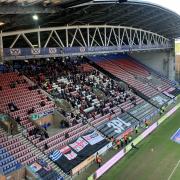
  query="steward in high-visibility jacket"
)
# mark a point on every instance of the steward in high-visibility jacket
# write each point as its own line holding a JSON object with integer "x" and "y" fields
{"x": 98, "y": 160}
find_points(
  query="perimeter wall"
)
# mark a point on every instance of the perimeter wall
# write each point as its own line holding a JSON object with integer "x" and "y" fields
{"x": 161, "y": 61}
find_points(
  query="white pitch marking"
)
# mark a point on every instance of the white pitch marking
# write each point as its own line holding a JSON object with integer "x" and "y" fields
{"x": 174, "y": 170}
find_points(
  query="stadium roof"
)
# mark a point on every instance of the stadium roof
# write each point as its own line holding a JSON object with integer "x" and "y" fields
{"x": 17, "y": 14}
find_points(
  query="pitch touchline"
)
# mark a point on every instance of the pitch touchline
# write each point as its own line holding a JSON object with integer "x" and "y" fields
{"x": 174, "y": 170}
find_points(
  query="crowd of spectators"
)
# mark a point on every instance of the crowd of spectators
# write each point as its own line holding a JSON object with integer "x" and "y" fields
{"x": 67, "y": 80}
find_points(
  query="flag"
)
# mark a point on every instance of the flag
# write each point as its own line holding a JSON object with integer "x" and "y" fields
{"x": 68, "y": 153}
{"x": 55, "y": 155}
{"x": 93, "y": 138}
{"x": 79, "y": 144}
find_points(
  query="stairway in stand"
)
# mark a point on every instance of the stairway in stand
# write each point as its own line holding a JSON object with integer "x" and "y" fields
{"x": 40, "y": 153}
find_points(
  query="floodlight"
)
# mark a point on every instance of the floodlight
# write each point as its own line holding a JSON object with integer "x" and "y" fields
{"x": 35, "y": 17}
{"x": 1, "y": 23}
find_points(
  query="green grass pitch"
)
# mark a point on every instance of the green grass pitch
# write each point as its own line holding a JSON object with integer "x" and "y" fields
{"x": 156, "y": 159}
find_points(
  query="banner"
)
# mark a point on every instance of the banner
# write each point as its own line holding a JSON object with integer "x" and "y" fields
{"x": 55, "y": 155}
{"x": 83, "y": 164}
{"x": 176, "y": 136}
{"x": 102, "y": 48}
{"x": 79, "y": 151}
{"x": 109, "y": 163}
{"x": 160, "y": 99}
{"x": 68, "y": 153}
{"x": 105, "y": 167}
{"x": 144, "y": 111}
{"x": 15, "y": 52}
{"x": 79, "y": 144}
{"x": 35, "y": 167}
{"x": 52, "y": 50}
{"x": 93, "y": 138}
{"x": 37, "y": 116}
{"x": 71, "y": 155}
{"x": 36, "y": 51}
{"x": 41, "y": 170}
{"x": 28, "y": 53}
{"x": 118, "y": 126}
{"x": 104, "y": 149}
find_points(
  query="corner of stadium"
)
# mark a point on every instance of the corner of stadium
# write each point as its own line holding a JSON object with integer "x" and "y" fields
{"x": 88, "y": 90}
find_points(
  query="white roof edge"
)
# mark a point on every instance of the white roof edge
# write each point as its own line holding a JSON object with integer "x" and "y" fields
{"x": 153, "y": 4}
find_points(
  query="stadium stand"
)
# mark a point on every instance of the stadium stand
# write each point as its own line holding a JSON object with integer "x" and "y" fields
{"x": 67, "y": 91}
{"x": 24, "y": 97}
{"x": 128, "y": 124}
{"x": 13, "y": 153}
{"x": 108, "y": 65}
{"x": 43, "y": 170}
{"x": 143, "y": 112}
{"x": 138, "y": 70}
{"x": 95, "y": 111}
{"x": 95, "y": 100}
{"x": 154, "y": 72}
{"x": 123, "y": 67}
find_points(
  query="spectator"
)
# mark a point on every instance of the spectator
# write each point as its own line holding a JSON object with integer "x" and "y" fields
{"x": 24, "y": 81}
{"x": 36, "y": 131}
{"x": 30, "y": 111}
{"x": 30, "y": 132}
{"x": 74, "y": 122}
{"x": 46, "y": 135}
{"x": 122, "y": 110}
{"x": 48, "y": 99}
{"x": 66, "y": 124}
{"x": 62, "y": 124}
{"x": 18, "y": 120}
{"x": 46, "y": 146}
{"x": 12, "y": 84}
{"x": 11, "y": 128}
{"x": 24, "y": 132}
{"x": 84, "y": 120}
{"x": 42, "y": 138}
{"x": 72, "y": 115}
{"x": 45, "y": 127}
{"x": 39, "y": 91}
{"x": 18, "y": 82}
{"x": 12, "y": 107}
{"x": 63, "y": 112}
{"x": 42, "y": 103}
{"x": 112, "y": 111}
{"x": 66, "y": 135}
{"x": 110, "y": 117}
